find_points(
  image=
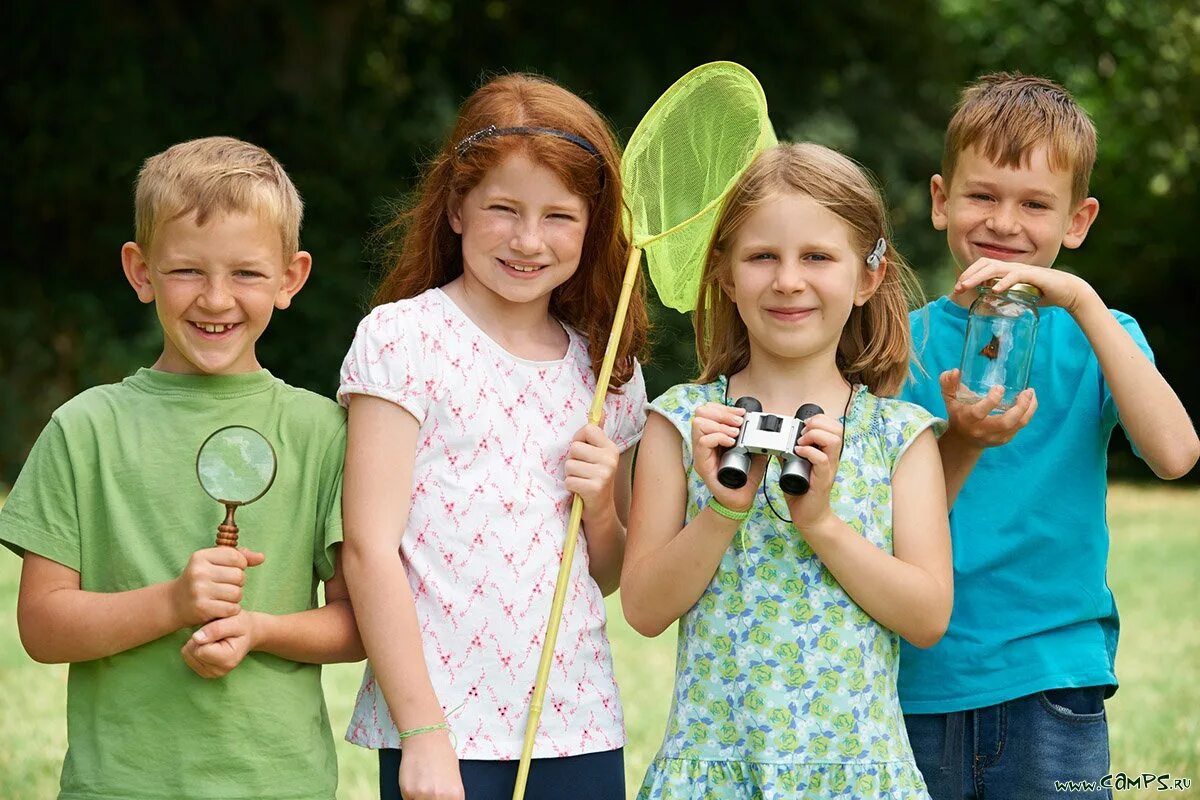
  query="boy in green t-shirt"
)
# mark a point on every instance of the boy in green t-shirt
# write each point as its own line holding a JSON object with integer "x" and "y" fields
{"x": 194, "y": 669}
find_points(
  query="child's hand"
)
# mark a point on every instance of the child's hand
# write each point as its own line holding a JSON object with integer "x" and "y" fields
{"x": 1058, "y": 288}
{"x": 819, "y": 443}
{"x": 591, "y": 464}
{"x": 714, "y": 429}
{"x": 210, "y": 586}
{"x": 218, "y": 647}
{"x": 975, "y": 424}
{"x": 429, "y": 769}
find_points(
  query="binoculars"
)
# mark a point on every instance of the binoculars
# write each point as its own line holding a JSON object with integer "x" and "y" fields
{"x": 769, "y": 435}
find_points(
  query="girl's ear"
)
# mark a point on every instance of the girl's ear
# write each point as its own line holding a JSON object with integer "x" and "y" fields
{"x": 454, "y": 213}
{"x": 725, "y": 276}
{"x": 870, "y": 283}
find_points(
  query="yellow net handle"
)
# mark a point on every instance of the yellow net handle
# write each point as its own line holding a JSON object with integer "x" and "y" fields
{"x": 568, "y": 556}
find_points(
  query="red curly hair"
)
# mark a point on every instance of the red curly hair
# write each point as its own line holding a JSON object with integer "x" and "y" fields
{"x": 428, "y": 252}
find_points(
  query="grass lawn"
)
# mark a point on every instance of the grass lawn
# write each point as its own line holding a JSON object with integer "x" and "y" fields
{"x": 1154, "y": 720}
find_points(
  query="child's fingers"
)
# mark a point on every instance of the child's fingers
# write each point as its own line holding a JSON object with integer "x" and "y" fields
{"x": 966, "y": 278}
{"x": 226, "y": 592}
{"x": 1033, "y": 404}
{"x": 195, "y": 665}
{"x": 816, "y": 456}
{"x": 219, "y": 655}
{"x": 594, "y": 454}
{"x": 729, "y": 415}
{"x": 214, "y": 609}
{"x": 217, "y": 630}
{"x": 225, "y": 556}
{"x": 1015, "y": 417}
{"x": 582, "y": 451}
{"x": 253, "y": 558}
{"x": 704, "y": 427}
{"x": 592, "y": 435}
{"x": 980, "y": 411}
{"x": 713, "y": 441}
{"x": 230, "y": 576}
{"x": 948, "y": 380}
{"x": 984, "y": 270}
{"x": 817, "y": 437}
{"x": 1008, "y": 280}
{"x": 576, "y": 485}
{"x": 588, "y": 470}
{"x": 822, "y": 422}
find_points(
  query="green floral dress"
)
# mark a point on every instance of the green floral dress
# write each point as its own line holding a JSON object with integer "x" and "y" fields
{"x": 784, "y": 687}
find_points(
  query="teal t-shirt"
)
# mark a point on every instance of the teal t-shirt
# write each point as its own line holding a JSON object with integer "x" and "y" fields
{"x": 1032, "y": 607}
{"x": 110, "y": 490}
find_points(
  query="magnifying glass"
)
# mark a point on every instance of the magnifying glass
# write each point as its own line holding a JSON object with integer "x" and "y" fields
{"x": 235, "y": 466}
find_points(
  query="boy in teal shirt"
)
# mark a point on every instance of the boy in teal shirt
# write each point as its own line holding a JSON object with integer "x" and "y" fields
{"x": 194, "y": 669}
{"x": 1010, "y": 704}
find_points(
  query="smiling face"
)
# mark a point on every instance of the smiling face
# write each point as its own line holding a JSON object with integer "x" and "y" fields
{"x": 522, "y": 232}
{"x": 1023, "y": 213}
{"x": 214, "y": 288}
{"x": 795, "y": 276}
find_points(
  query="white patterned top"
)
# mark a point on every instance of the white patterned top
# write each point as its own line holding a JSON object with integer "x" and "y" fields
{"x": 486, "y": 528}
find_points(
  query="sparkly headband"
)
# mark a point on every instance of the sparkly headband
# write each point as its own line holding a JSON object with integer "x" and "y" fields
{"x": 462, "y": 147}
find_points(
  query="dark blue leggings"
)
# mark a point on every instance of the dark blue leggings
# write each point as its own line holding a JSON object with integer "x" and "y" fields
{"x": 592, "y": 776}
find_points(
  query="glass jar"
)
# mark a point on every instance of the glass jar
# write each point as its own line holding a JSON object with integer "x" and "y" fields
{"x": 998, "y": 349}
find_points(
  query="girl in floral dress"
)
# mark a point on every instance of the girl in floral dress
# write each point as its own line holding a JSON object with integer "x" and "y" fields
{"x": 791, "y": 607}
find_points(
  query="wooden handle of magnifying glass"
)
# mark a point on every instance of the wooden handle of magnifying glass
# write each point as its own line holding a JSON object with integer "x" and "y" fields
{"x": 227, "y": 531}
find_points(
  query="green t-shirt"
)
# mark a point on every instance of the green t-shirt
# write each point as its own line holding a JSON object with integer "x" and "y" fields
{"x": 110, "y": 490}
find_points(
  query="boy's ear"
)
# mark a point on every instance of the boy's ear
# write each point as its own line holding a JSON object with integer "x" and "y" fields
{"x": 1081, "y": 222}
{"x": 137, "y": 271}
{"x": 294, "y": 276}
{"x": 454, "y": 213}
{"x": 871, "y": 283}
{"x": 938, "y": 194}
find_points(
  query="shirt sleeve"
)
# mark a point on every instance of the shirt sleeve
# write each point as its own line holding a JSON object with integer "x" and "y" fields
{"x": 903, "y": 423}
{"x": 1108, "y": 408}
{"x": 41, "y": 513}
{"x": 388, "y": 360}
{"x": 678, "y": 405}
{"x": 332, "y": 464}
{"x": 625, "y": 413}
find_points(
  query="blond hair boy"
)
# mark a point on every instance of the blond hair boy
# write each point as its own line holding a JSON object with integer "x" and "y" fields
{"x": 193, "y": 669}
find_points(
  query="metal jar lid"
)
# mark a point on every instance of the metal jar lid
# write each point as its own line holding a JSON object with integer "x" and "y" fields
{"x": 1023, "y": 288}
{"x": 1026, "y": 288}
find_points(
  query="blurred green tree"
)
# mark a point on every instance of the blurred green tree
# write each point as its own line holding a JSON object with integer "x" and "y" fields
{"x": 352, "y": 96}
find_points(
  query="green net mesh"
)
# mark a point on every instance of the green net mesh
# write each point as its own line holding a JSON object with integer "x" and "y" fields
{"x": 684, "y": 156}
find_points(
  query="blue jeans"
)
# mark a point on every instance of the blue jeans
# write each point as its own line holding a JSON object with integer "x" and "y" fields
{"x": 592, "y": 776}
{"x": 1018, "y": 749}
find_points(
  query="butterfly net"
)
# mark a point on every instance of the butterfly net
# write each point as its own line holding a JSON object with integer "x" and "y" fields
{"x": 685, "y": 155}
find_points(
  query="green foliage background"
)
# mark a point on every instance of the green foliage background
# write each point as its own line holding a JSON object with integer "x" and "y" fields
{"x": 352, "y": 96}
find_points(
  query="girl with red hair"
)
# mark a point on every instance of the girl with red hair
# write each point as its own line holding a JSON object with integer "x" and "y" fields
{"x": 468, "y": 388}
